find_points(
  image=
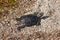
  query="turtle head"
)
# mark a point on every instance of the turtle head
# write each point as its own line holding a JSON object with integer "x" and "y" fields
{"x": 38, "y": 14}
{"x": 41, "y": 16}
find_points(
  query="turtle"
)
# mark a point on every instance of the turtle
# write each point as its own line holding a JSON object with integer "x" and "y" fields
{"x": 30, "y": 20}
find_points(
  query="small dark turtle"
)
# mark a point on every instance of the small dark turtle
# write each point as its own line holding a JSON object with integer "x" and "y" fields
{"x": 30, "y": 20}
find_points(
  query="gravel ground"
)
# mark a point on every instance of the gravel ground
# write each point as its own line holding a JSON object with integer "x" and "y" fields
{"x": 48, "y": 30}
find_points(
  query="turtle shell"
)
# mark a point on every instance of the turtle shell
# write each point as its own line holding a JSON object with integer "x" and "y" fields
{"x": 28, "y": 20}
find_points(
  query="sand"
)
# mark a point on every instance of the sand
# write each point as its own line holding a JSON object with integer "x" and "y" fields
{"x": 48, "y": 30}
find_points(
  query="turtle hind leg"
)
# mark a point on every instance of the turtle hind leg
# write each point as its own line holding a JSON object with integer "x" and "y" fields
{"x": 20, "y": 27}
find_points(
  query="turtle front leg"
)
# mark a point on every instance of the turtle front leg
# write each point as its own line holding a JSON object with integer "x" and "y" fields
{"x": 39, "y": 22}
